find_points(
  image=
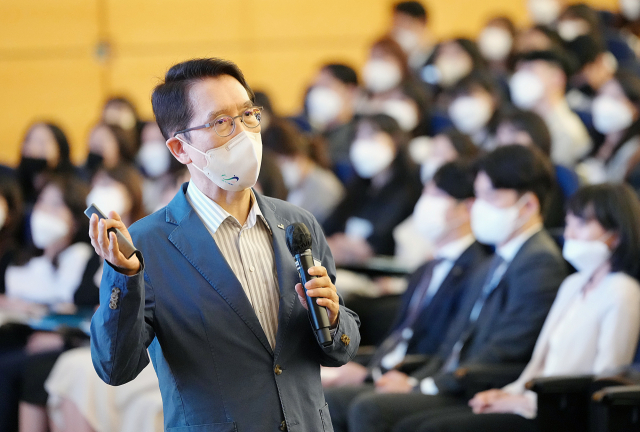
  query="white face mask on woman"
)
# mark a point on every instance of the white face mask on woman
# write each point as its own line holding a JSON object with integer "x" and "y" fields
{"x": 381, "y": 75}
{"x": 46, "y": 229}
{"x": 470, "y": 114}
{"x": 154, "y": 158}
{"x": 494, "y": 225}
{"x": 371, "y": 156}
{"x": 586, "y": 255}
{"x": 235, "y": 165}
{"x": 495, "y": 43}
{"x": 610, "y": 115}
{"x": 108, "y": 198}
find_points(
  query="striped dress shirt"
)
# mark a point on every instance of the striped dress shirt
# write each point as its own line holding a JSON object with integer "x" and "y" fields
{"x": 248, "y": 250}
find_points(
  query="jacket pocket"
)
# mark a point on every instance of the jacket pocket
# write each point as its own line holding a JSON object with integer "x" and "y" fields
{"x": 327, "y": 426}
{"x": 211, "y": 427}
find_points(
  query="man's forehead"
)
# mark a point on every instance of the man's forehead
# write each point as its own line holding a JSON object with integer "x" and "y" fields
{"x": 218, "y": 94}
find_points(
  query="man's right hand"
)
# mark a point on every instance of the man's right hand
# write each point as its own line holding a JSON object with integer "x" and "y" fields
{"x": 107, "y": 245}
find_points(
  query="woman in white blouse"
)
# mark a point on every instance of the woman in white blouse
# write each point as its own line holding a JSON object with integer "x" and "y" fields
{"x": 593, "y": 325}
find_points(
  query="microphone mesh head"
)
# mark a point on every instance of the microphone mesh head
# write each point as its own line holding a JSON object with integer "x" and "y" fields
{"x": 298, "y": 238}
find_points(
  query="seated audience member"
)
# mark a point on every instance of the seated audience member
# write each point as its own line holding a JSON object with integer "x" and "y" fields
{"x": 410, "y": 28}
{"x": 451, "y": 61}
{"x": 381, "y": 196}
{"x": 11, "y": 215}
{"x": 330, "y": 107}
{"x": 496, "y": 44}
{"x": 545, "y": 12}
{"x": 430, "y": 154}
{"x": 80, "y": 401}
{"x": 528, "y": 129}
{"x": 505, "y": 304}
{"x": 120, "y": 111}
{"x": 596, "y": 66}
{"x": 616, "y": 114}
{"x": 44, "y": 150}
{"x": 310, "y": 186}
{"x": 392, "y": 88}
{"x": 60, "y": 229}
{"x": 435, "y": 290}
{"x": 58, "y": 280}
{"x": 539, "y": 85}
{"x": 118, "y": 189}
{"x": 270, "y": 181}
{"x": 109, "y": 146}
{"x": 594, "y": 322}
{"x": 157, "y": 165}
{"x": 475, "y": 107}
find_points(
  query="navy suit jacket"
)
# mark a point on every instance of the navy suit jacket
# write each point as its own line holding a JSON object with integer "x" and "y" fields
{"x": 512, "y": 316}
{"x": 216, "y": 368}
{"x": 434, "y": 320}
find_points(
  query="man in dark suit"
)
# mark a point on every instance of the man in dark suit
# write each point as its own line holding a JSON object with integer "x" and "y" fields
{"x": 213, "y": 299}
{"x": 434, "y": 292}
{"x": 504, "y": 309}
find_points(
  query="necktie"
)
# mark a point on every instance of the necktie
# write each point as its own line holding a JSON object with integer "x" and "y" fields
{"x": 420, "y": 299}
{"x": 494, "y": 275}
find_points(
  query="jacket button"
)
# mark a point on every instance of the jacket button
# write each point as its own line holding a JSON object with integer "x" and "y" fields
{"x": 345, "y": 340}
{"x": 278, "y": 370}
{"x": 283, "y": 426}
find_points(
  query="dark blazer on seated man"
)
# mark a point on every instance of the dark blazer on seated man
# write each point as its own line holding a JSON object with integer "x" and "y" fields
{"x": 511, "y": 317}
{"x": 217, "y": 369}
{"x": 433, "y": 321}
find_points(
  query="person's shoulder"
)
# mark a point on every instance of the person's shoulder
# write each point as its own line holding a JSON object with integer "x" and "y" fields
{"x": 622, "y": 286}
{"x": 543, "y": 245}
{"x": 149, "y": 223}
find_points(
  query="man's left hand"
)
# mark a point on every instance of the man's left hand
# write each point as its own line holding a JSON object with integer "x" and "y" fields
{"x": 394, "y": 382}
{"x": 324, "y": 290}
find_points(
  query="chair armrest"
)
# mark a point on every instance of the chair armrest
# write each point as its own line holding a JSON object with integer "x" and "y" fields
{"x": 560, "y": 384}
{"x": 620, "y": 395}
{"x": 413, "y": 362}
{"x": 479, "y": 377}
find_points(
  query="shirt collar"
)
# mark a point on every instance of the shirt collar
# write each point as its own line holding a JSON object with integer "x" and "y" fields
{"x": 508, "y": 251}
{"x": 452, "y": 250}
{"x": 213, "y": 215}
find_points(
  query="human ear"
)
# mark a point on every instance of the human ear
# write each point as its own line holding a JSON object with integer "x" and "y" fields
{"x": 176, "y": 147}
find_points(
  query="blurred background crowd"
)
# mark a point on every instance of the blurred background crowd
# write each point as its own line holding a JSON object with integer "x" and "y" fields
{"x": 479, "y": 196}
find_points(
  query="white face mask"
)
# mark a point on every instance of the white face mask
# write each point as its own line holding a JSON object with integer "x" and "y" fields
{"x": 570, "y": 29}
{"x": 586, "y": 255}
{"x": 407, "y": 39}
{"x": 235, "y": 165}
{"x": 324, "y": 106}
{"x": 419, "y": 149}
{"x": 630, "y": 9}
{"x": 371, "y": 156}
{"x": 495, "y": 43}
{"x": 610, "y": 115}
{"x": 429, "y": 168}
{"x": 470, "y": 114}
{"x": 494, "y": 225}
{"x": 291, "y": 174}
{"x": 430, "y": 217}
{"x": 46, "y": 229}
{"x": 451, "y": 70}
{"x": 380, "y": 75}
{"x": 108, "y": 198}
{"x": 544, "y": 12}
{"x": 526, "y": 89}
{"x": 154, "y": 158}
{"x": 403, "y": 112}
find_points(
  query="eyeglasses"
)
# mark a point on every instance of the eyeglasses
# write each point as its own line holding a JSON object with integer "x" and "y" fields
{"x": 224, "y": 125}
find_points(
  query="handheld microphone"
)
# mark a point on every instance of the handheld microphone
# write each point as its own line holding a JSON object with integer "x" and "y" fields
{"x": 299, "y": 244}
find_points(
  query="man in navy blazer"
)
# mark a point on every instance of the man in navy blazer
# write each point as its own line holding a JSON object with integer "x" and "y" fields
{"x": 434, "y": 293}
{"x": 208, "y": 308}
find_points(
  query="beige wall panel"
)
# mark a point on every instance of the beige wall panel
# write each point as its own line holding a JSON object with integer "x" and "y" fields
{"x": 63, "y": 91}
{"x": 39, "y": 25}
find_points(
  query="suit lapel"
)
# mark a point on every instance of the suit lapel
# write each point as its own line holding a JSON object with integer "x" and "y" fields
{"x": 285, "y": 266}
{"x": 195, "y": 243}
